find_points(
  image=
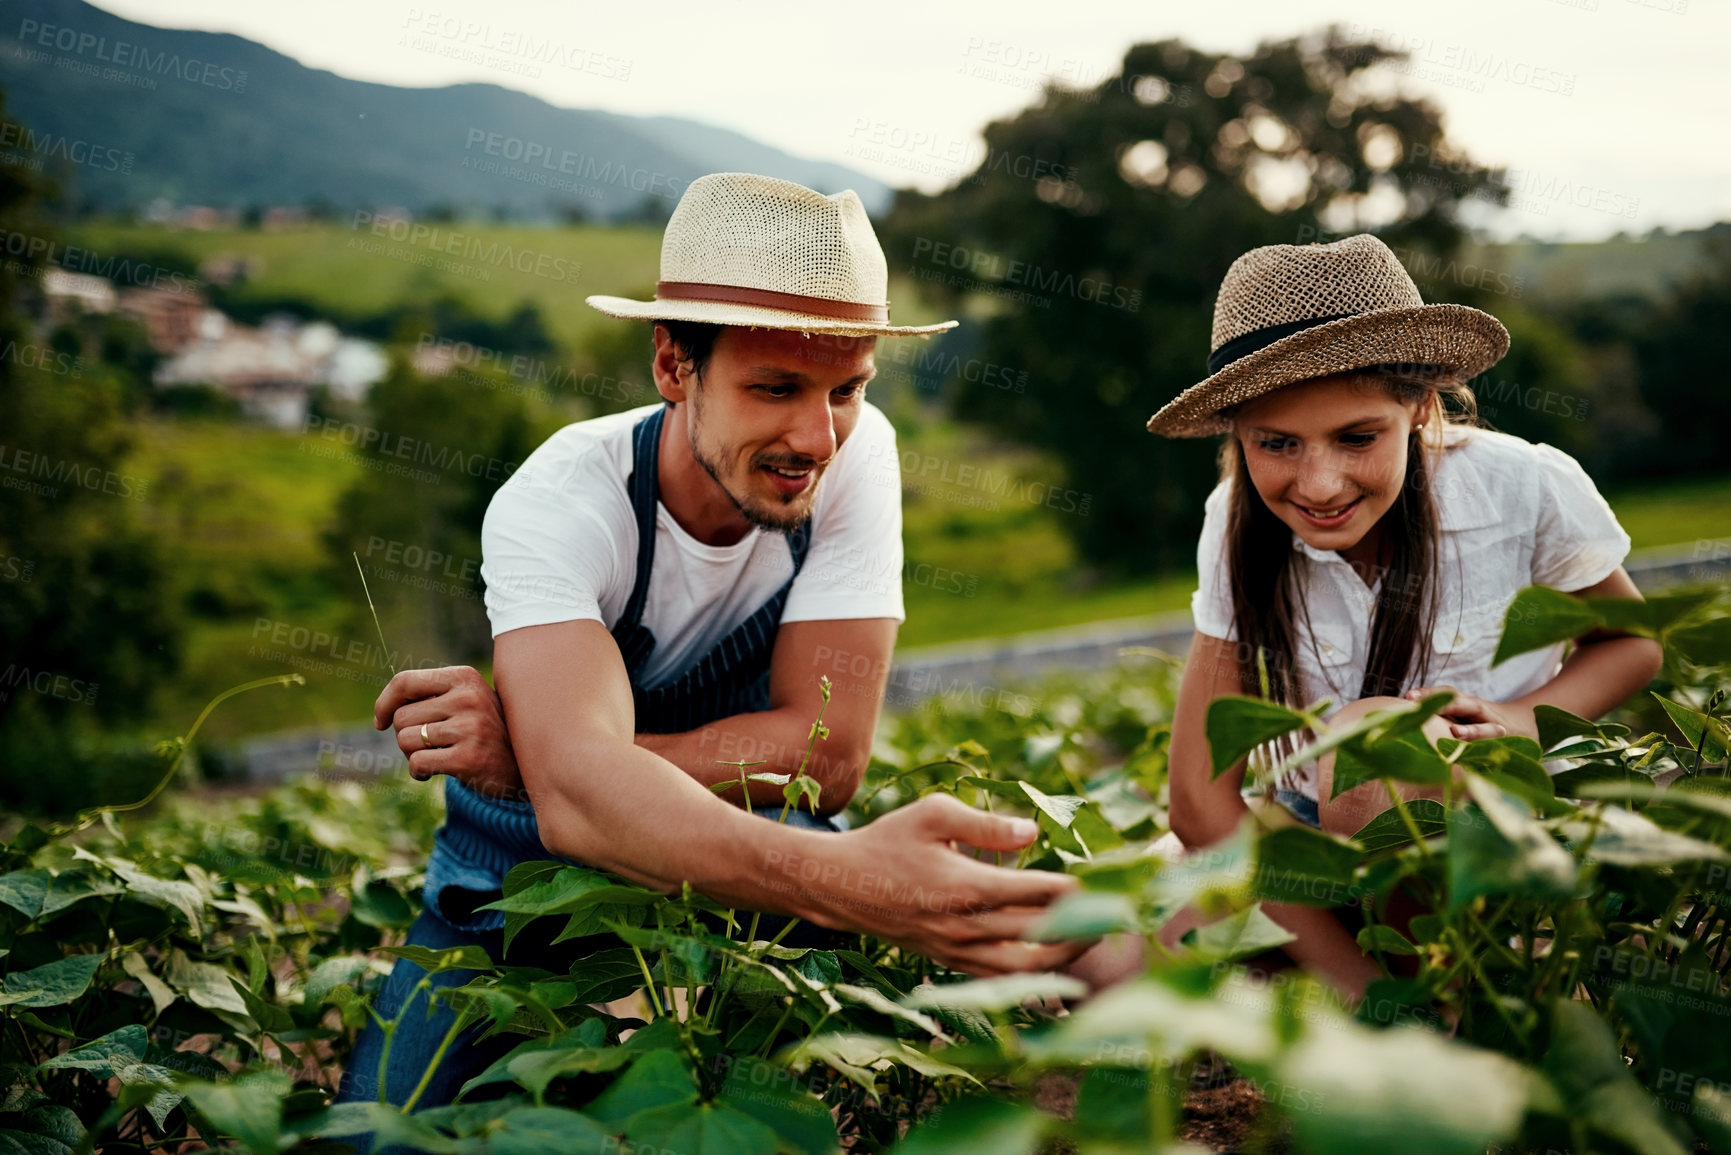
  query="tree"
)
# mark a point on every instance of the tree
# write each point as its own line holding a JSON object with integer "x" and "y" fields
{"x": 440, "y": 449}
{"x": 88, "y": 623}
{"x": 1682, "y": 360}
{"x": 1095, "y": 232}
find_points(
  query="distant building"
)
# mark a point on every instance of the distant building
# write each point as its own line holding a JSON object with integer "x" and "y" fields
{"x": 273, "y": 369}
{"x": 170, "y": 319}
{"x": 71, "y": 295}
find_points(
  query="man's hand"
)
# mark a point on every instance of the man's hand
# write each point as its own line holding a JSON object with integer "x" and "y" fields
{"x": 449, "y": 721}
{"x": 1473, "y": 718}
{"x": 904, "y": 879}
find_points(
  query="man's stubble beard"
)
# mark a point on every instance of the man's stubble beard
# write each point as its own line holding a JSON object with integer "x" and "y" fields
{"x": 757, "y": 516}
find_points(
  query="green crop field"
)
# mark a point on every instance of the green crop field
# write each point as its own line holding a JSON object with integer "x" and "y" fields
{"x": 351, "y": 272}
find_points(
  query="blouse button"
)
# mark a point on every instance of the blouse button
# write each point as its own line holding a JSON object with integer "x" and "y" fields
{"x": 1327, "y": 649}
{"x": 1459, "y": 639}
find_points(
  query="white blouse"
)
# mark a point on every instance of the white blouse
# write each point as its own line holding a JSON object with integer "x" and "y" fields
{"x": 1512, "y": 513}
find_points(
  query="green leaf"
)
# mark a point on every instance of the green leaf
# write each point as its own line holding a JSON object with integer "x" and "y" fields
{"x": 205, "y": 984}
{"x": 1694, "y": 724}
{"x": 1710, "y": 1112}
{"x": 1557, "y": 725}
{"x": 1300, "y": 865}
{"x": 1406, "y": 757}
{"x": 1236, "y": 726}
{"x": 770, "y": 1095}
{"x": 53, "y": 984}
{"x": 98, "y": 1056}
{"x": 171, "y": 894}
{"x": 1385, "y": 939}
{"x": 541, "y": 1130}
{"x": 996, "y": 994}
{"x": 469, "y": 957}
{"x": 606, "y": 975}
{"x": 25, "y": 890}
{"x": 1387, "y": 831}
{"x": 248, "y": 1107}
{"x": 270, "y": 1017}
{"x": 388, "y": 1126}
{"x": 658, "y": 1079}
{"x": 379, "y": 904}
{"x": 1085, "y": 914}
{"x": 1155, "y": 1021}
{"x": 1586, "y": 1066}
{"x": 45, "y": 1130}
{"x": 1112, "y": 1104}
{"x": 884, "y": 1005}
{"x": 701, "y": 1129}
{"x": 1060, "y": 808}
{"x": 331, "y": 974}
{"x": 858, "y": 1057}
{"x": 1216, "y": 878}
{"x": 1495, "y": 847}
{"x": 806, "y": 787}
{"x": 1512, "y": 763}
{"x": 161, "y": 994}
{"x": 977, "y": 1126}
{"x": 1625, "y": 838}
{"x": 1404, "y": 1089}
{"x": 1539, "y": 617}
{"x": 1705, "y": 644}
{"x": 1245, "y": 934}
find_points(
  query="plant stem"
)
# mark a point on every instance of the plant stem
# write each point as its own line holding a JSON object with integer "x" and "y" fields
{"x": 86, "y": 817}
{"x": 461, "y": 1021}
{"x": 375, "y": 612}
{"x": 649, "y": 982}
{"x": 390, "y": 1031}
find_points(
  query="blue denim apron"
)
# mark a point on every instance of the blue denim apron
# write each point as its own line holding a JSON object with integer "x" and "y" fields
{"x": 483, "y": 838}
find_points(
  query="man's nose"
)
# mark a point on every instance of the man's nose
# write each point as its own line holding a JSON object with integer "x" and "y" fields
{"x": 813, "y": 432}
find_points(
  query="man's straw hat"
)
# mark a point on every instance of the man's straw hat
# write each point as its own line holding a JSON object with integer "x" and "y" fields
{"x": 1289, "y": 313}
{"x": 752, "y": 250}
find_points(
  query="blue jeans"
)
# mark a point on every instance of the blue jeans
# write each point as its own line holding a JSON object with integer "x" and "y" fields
{"x": 1304, "y": 808}
{"x": 419, "y": 1033}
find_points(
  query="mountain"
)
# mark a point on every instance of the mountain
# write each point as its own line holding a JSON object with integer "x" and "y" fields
{"x": 129, "y": 113}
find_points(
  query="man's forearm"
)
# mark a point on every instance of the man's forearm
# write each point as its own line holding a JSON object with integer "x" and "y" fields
{"x": 778, "y": 739}
{"x": 656, "y": 826}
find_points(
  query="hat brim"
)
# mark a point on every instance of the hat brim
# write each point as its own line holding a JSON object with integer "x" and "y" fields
{"x": 1463, "y": 340}
{"x": 755, "y": 317}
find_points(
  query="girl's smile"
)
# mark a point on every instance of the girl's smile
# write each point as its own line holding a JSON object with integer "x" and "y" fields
{"x": 1328, "y": 458}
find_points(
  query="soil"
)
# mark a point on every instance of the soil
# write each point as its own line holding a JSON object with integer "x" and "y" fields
{"x": 1222, "y": 1112}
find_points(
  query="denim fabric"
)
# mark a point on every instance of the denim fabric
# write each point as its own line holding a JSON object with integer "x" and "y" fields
{"x": 419, "y": 1034}
{"x": 1303, "y": 807}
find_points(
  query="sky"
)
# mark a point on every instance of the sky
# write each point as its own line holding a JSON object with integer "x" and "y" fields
{"x": 1610, "y": 114}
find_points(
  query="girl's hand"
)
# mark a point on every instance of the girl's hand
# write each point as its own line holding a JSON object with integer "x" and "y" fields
{"x": 1473, "y": 718}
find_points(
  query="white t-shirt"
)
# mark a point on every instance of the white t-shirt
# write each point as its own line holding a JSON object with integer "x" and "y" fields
{"x": 1513, "y": 514}
{"x": 559, "y": 544}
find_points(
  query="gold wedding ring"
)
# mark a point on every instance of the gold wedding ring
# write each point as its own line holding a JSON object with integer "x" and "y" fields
{"x": 428, "y": 742}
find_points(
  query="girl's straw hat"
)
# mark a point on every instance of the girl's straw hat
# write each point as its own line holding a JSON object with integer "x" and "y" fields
{"x": 1289, "y": 313}
{"x": 752, "y": 250}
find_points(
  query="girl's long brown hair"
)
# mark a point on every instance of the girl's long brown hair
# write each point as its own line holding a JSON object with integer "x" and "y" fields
{"x": 1268, "y": 606}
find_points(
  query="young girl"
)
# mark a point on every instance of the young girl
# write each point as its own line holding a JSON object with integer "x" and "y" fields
{"x": 1366, "y": 540}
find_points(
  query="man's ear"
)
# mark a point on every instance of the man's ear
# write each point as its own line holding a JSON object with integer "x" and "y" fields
{"x": 673, "y": 376}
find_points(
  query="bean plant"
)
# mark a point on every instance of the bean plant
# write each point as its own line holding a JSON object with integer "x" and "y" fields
{"x": 1552, "y": 932}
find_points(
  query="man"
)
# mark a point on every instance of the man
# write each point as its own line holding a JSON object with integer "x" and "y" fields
{"x": 668, "y": 587}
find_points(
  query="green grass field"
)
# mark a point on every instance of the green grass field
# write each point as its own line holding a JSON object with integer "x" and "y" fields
{"x": 242, "y": 508}
{"x": 353, "y": 272}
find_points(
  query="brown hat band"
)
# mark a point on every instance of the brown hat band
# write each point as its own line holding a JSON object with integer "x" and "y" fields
{"x": 1248, "y": 343}
{"x": 770, "y": 299}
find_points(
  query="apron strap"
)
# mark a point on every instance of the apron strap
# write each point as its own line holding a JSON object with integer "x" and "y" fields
{"x": 635, "y": 642}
